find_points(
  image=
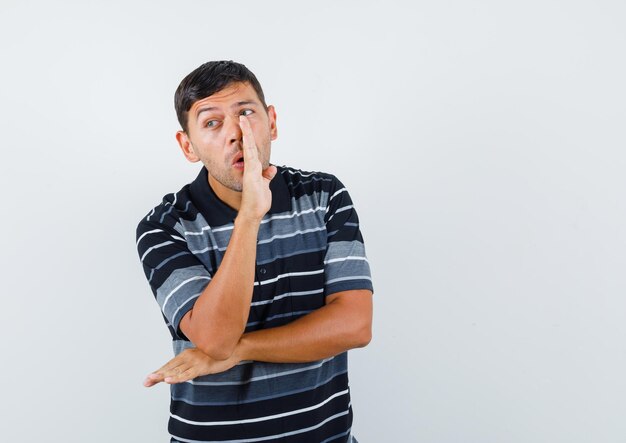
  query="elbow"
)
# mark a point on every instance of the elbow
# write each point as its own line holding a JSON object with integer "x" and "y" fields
{"x": 365, "y": 338}
{"x": 220, "y": 348}
{"x": 216, "y": 351}
{"x": 215, "y": 342}
{"x": 362, "y": 336}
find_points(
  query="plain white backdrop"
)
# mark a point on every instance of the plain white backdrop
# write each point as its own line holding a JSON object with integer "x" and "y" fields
{"x": 482, "y": 142}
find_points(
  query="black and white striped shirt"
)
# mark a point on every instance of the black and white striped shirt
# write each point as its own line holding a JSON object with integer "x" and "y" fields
{"x": 309, "y": 246}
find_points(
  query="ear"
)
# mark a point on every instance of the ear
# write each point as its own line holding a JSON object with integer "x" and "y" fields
{"x": 185, "y": 145}
{"x": 271, "y": 113}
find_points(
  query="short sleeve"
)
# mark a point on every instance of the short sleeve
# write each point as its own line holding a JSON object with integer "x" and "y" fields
{"x": 345, "y": 263}
{"x": 176, "y": 276}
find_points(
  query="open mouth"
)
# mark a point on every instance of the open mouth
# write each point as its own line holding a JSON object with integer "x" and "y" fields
{"x": 238, "y": 160}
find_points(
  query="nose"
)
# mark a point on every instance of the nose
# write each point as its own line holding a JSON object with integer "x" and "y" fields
{"x": 233, "y": 131}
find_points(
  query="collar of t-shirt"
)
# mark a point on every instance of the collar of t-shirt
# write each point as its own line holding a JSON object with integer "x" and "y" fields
{"x": 218, "y": 213}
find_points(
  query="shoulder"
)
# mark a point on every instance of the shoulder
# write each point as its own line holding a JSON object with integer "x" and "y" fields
{"x": 302, "y": 181}
{"x": 170, "y": 213}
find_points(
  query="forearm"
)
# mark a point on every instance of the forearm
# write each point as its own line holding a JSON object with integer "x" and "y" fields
{"x": 343, "y": 323}
{"x": 219, "y": 315}
{"x": 326, "y": 332}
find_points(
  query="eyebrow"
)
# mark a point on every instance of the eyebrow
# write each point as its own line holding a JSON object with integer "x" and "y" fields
{"x": 234, "y": 105}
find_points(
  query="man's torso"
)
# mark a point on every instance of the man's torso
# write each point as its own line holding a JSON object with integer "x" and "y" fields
{"x": 257, "y": 401}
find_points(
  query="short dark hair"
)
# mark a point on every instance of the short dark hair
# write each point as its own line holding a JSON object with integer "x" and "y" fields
{"x": 208, "y": 79}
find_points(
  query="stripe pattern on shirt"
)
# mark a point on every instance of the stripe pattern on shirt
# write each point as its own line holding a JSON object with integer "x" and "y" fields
{"x": 309, "y": 246}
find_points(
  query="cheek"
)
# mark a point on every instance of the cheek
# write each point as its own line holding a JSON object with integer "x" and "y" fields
{"x": 210, "y": 138}
{"x": 262, "y": 132}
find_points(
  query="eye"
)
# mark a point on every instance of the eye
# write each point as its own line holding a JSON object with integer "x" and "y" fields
{"x": 211, "y": 123}
{"x": 246, "y": 112}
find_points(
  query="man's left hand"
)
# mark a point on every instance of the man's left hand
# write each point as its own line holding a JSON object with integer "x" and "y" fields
{"x": 187, "y": 365}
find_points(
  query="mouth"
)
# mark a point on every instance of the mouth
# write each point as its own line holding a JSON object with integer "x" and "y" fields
{"x": 238, "y": 160}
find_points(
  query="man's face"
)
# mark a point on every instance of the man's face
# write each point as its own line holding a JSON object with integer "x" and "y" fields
{"x": 214, "y": 136}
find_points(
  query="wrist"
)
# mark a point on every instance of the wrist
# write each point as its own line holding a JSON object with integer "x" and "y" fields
{"x": 247, "y": 220}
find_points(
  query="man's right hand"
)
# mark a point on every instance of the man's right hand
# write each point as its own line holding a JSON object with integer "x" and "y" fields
{"x": 256, "y": 197}
{"x": 218, "y": 318}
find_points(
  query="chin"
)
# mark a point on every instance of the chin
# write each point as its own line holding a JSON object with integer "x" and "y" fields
{"x": 237, "y": 187}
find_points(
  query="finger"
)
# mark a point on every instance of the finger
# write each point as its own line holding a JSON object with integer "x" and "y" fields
{"x": 152, "y": 379}
{"x": 174, "y": 371}
{"x": 165, "y": 370}
{"x": 175, "y": 366}
{"x": 270, "y": 172}
{"x": 167, "y": 366}
{"x": 186, "y": 375}
{"x": 249, "y": 144}
{"x": 180, "y": 359}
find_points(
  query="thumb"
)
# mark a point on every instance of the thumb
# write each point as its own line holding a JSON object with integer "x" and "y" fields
{"x": 270, "y": 172}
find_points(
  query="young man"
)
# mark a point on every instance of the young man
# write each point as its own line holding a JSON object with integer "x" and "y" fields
{"x": 260, "y": 273}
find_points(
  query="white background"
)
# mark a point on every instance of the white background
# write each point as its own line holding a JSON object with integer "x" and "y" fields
{"x": 482, "y": 142}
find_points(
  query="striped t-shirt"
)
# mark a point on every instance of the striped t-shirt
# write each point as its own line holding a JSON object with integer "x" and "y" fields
{"x": 309, "y": 246}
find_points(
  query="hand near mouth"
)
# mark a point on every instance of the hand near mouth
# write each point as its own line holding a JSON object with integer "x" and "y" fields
{"x": 256, "y": 197}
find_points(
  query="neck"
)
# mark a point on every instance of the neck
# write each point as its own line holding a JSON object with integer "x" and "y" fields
{"x": 228, "y": 196}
